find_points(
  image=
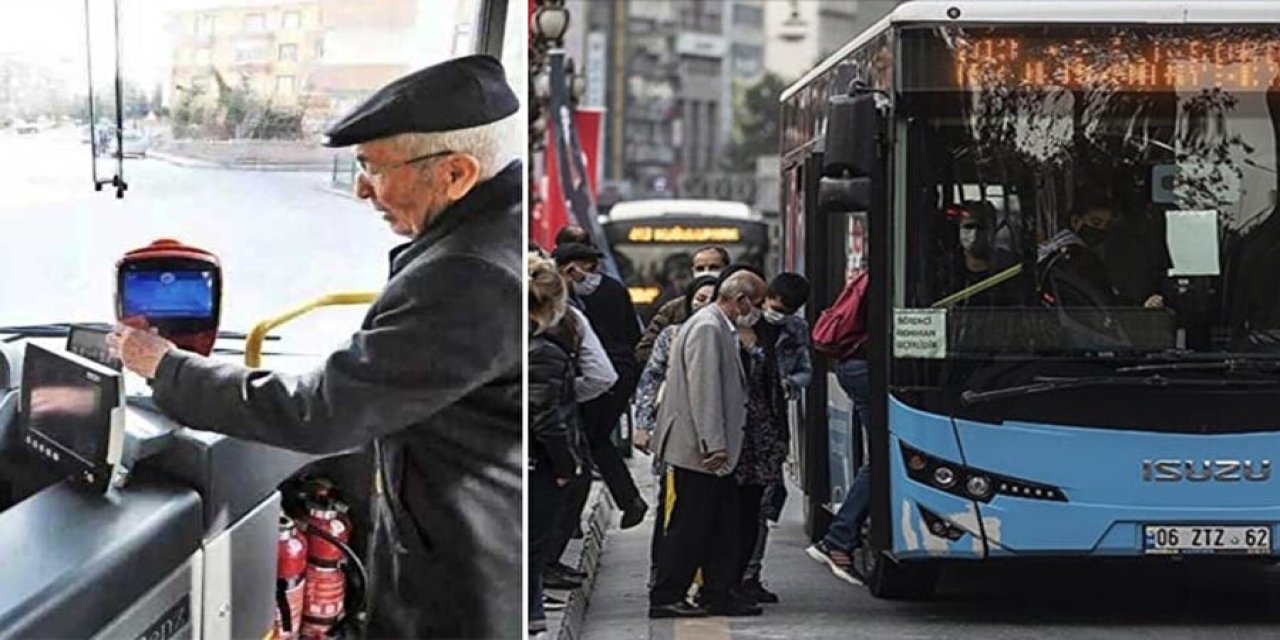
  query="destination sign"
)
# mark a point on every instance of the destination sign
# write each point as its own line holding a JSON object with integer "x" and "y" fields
{"x": 1121, "y": 63}
{"x": 643, "y": 295}
{"x": 683, "y": 234}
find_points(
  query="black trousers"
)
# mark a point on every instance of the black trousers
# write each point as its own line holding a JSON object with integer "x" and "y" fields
{"x": 569, "y": 517}
{"x": 702, "y": 531}
{"x": 546, "y": 500}
{"x": 750, "y": 498}
{"x": 599, "y": 418}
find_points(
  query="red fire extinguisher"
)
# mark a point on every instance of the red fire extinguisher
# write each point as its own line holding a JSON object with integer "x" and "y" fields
{"x": 326, "y": 582}
{"x": 291, "y": 579}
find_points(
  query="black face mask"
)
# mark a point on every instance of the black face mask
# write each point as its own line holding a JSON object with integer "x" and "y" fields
{"x": 1092, "y": 236}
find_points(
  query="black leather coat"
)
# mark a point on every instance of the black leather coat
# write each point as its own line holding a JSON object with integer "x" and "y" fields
{"x": 556, "y": 433}
{"x": 433, "y": 379}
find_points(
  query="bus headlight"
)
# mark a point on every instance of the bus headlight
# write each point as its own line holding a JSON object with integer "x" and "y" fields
{"x": 978, "y": 486}
{"x": 970, "y": 483}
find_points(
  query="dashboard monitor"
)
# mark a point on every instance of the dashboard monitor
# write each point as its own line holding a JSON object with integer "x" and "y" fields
{"x": 73, "y": 414}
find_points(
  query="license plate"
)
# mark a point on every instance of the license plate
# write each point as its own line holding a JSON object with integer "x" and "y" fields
{"x": 1166, "y": 539}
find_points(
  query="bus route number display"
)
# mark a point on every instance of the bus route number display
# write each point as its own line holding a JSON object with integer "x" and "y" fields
{"x": 920, "y": 333}
{"x": 1127, "y": 64}
{"x": 682, "y": 234}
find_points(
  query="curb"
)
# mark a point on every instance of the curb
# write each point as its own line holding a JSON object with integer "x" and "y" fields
{"x": 597, "y": 526}
{"x": 185, "y": 161}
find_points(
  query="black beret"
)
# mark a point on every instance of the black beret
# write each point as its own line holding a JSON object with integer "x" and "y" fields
{"x": 570, "y": 251}
{"x": 455, "y": 94}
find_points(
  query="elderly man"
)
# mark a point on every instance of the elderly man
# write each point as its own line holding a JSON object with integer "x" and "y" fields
{"x": 433, "y": 376}
{"x": 698, "y": 435}
{"x": 707, "y": 261}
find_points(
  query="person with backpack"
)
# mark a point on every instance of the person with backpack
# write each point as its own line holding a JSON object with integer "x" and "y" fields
{"x": 841, "y": 332}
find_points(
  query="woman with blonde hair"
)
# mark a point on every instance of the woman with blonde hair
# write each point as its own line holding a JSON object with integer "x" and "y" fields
{"x": 556, "y": 455}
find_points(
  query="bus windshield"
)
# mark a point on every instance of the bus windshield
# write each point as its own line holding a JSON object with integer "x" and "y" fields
{"x": 655, "y": 254}
{"x": 219, "y": 130}
{"x": 1093, "y": 191}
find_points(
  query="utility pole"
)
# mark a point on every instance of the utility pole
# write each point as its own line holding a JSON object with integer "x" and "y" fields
{"x": 618, "y": 101}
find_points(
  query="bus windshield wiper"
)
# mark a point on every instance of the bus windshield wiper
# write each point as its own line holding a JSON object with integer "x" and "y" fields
{"x": 1044, "y": 384}
{"x": 1228, "y": 365}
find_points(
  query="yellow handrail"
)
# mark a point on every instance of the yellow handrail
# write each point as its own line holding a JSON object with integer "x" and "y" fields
{"x": 965, "y": 294}
{"x": 253, "y": 344}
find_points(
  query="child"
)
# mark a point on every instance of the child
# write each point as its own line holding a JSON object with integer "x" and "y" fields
{"x": 788, "y": 292}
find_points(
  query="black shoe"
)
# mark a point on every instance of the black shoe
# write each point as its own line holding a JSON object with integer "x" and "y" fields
{"x": 634, "y": 513}
{"x": 678, "y": 610}
{"x": 552, "y": 579}
{"x": 734, "y": 609}
{"x": 563, "y": 569}
{"x": 755, "y": 591}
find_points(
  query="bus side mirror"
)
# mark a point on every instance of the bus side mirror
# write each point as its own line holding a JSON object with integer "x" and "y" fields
{"x": 853, "y": 124}
{"x": 837, "y": 195}
{"x": 849, "y": 157}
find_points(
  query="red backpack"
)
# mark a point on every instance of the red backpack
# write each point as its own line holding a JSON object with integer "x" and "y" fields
{"x": 841, "y": 329}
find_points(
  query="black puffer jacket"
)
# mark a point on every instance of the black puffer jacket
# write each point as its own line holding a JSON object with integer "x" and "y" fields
{"x": 556, "y": 436}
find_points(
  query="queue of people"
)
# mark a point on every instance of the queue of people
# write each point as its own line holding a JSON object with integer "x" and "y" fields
{"x": 708, "y": 383}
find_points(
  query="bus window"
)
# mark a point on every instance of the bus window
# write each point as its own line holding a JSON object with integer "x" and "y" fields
{"x": 223, "y": 104}
{"x": 1069, "y": 166}
{"x": 654, "y": 243}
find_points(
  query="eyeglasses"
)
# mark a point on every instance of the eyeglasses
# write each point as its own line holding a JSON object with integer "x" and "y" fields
{"x": 375, "y": 171}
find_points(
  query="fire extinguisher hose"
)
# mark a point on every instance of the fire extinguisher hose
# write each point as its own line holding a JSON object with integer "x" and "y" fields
{"x": 363, "y": 576}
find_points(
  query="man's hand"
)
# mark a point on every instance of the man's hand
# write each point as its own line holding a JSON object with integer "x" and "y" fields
{"x": 140, "y": 351}
{"x": 640, "y": 439}
{"x": 560, "y": 482}
{"x": 716, "y": 460}
{"x": 1156, "y": 301}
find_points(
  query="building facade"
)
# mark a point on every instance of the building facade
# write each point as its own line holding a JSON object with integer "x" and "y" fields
{"x": 319, "y": 56}
{"x": 272, "y": 50}
{"x": 803, "y": 32}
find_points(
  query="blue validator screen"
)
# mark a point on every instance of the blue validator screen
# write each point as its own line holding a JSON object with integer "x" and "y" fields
{"x": 168, "y": 294}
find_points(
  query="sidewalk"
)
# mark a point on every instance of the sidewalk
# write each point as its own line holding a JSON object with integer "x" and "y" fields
{"x": 598, "y": 518}
{"x": 814, "y": 603}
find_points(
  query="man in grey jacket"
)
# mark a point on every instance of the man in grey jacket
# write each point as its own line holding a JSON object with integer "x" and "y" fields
{"x": 433, "y": 376}
{"x": 701, "y": 415}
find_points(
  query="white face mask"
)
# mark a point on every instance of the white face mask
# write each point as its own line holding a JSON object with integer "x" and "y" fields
{"x": 774, "y": 317}
{"x": 750, "y": 319}
{"x": 588, "y": 285}
{"x": 967, "y": 238}
{"x": 713, "y": 274}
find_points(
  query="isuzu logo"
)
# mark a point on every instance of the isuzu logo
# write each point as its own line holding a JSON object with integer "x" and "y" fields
{"x": 1205, "y": 470}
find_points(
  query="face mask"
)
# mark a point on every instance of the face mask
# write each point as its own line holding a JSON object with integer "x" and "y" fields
{"x": 973, "y": 243}
{"x": 1092, "y": 236}
{"x": 588, "y": 285}
{"x": 713, "y": 274}
{"x": 774, "y": 317}
{"x": 697, "y": 305}
{"x": 750, "y": 319}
